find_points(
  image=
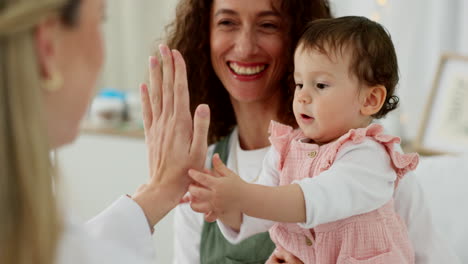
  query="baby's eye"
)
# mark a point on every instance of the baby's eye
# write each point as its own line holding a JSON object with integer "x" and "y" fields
{"x": 321, "y": 85}
{"x": 299, "y": 86}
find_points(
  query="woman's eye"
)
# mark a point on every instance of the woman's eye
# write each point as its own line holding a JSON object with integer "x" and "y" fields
{"x": 225, "y": 23}
{"x": 299, "y": 86}
{"x": 321, "y": 85}
{"x": 269, "y": 26}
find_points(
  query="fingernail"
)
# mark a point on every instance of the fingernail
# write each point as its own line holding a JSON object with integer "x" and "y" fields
{"x": 174, "y": 55}
{"x": 153, "y": 61}
{"x": 142, "y": 88}
{"x": 163, "y": 49}
{"x": 203, "y": 110}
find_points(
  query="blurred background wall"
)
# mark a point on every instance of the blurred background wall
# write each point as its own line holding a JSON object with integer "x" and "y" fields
{"x": 132, "y": 31}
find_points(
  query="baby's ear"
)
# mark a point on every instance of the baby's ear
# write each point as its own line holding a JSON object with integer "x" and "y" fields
{"x": 373, "y": 99}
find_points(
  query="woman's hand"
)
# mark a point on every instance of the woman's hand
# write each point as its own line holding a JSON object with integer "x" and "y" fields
{"x": 174, "y": 143}
{"x": 282, "y": 256}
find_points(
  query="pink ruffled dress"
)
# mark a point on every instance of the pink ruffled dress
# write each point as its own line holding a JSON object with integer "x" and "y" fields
{"x": 377, "y": 237}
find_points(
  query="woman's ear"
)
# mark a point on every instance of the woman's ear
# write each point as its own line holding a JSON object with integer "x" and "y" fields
{"x": 374, "y": 98}
{"x": 46, "y": 42}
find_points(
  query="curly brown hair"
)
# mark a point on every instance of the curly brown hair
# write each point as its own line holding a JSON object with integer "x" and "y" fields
{"x": 189, "y": 33}
{"x": 373, "y": 61}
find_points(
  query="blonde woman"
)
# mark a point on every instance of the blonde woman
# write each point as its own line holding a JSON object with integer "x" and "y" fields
{"x": 50, "y": 56}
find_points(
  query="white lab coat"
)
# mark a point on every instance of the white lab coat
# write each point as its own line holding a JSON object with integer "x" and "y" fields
{"x": 120, "y": 234}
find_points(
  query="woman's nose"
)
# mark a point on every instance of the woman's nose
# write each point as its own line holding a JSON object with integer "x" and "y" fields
{"x": 247, "y": 43}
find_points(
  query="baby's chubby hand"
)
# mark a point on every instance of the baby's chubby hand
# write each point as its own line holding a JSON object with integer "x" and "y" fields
{"x": 217, "y": 192}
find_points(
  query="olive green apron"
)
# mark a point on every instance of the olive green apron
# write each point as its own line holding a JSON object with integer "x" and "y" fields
{"x": 215, "y": 249}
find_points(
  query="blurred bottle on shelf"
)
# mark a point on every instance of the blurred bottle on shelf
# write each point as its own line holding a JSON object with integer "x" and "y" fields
{"x": 108, "y": 109}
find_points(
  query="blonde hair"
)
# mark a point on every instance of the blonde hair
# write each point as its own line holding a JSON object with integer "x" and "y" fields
{"x": 30, "y": 224}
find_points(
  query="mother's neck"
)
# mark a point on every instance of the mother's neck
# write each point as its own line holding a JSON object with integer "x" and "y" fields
{"x": 253, "y": 120}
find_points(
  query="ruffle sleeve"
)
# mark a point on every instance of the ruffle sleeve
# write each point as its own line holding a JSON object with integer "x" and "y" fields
{"x": 402, "y": 163}
{"x": 280, "y": 139}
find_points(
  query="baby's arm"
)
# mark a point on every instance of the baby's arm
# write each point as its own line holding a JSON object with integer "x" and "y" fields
{"x": 227, "y": 194}
{"x": 249, "y": 198}
{"x": 280, "y": 204}
{"x": 360, "y": 180}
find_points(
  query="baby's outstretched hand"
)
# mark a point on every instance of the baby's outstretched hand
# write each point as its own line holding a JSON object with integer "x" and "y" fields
{"x": 216, "y": 193}
{"x": 199, "y": 205}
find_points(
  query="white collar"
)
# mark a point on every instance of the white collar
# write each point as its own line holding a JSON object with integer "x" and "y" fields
{"x": 246, "y": 163}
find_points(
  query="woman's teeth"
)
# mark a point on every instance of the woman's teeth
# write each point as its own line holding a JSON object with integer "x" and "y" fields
{"x": 242, "y": 70}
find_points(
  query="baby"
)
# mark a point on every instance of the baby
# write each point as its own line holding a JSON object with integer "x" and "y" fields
{"x": 326, "y": 189}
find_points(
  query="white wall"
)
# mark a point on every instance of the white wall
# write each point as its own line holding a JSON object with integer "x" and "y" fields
{"x": 132, "y": 31}
{"x": 96, "y": 170}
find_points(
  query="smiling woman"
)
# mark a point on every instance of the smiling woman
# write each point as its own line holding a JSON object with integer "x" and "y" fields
{"x": 248, "y": 50}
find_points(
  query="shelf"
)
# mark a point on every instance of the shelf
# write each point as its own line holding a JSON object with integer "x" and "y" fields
{"x": 124, "y": 130}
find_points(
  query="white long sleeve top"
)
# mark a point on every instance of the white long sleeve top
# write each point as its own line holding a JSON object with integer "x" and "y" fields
{"x": 352, "y": 186}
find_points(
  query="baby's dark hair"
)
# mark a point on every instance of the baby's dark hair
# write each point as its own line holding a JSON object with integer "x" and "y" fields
{"x": 373, "y": 60}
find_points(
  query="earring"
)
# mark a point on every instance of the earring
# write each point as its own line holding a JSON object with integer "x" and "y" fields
{"x": 54, "y": 83}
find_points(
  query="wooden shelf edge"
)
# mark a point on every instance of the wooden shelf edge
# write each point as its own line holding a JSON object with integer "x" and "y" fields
{"x": 128, "y": 132}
